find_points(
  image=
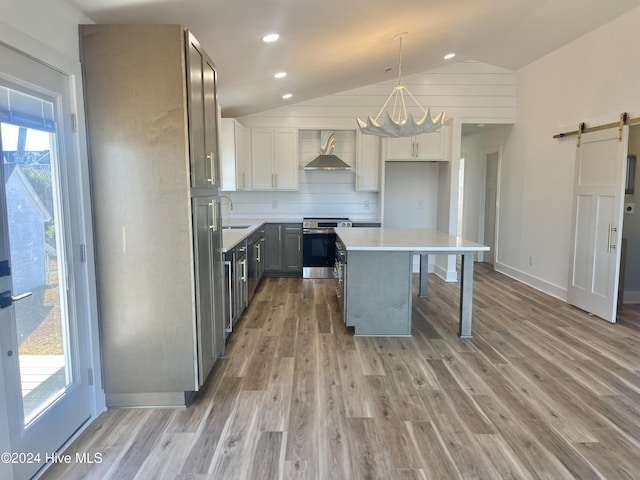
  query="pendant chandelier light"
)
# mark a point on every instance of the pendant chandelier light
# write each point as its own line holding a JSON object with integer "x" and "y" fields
{"x": 399, "y": 123}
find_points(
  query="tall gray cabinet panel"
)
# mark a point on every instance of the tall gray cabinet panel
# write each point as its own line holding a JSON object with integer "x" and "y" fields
{"x": 152, "y": 134}
{"x": 209, "y": 290}
{"x": 203, "y": 128}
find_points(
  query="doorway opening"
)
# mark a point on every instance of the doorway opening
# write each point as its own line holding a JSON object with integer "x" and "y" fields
{"x": 492, "y": 161}
{"x": 629, "y": 282}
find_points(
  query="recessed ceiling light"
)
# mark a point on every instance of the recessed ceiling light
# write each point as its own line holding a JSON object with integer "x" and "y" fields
{"x": 449, "y": 56}
{"x": 280, "y": 75}
{"x": 287, "y": 95}
{"x": 272, "y": 37}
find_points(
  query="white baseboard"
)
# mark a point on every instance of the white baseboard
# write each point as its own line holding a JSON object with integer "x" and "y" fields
{"x": 535, "y": 282}
{"x": 631, "y": 297}
{"x": 446, "y": 275}
{"x": 433, "y": 267}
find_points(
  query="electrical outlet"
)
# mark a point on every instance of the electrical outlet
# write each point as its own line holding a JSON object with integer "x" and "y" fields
{"x": 366, "y": 204}
{"x": 531, "y": 260}
{"x": 420, "y": 204}
{"x": 274, "y": 204}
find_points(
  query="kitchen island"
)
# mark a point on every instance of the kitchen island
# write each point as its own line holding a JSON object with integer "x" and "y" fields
{"x": 378, "y": 275}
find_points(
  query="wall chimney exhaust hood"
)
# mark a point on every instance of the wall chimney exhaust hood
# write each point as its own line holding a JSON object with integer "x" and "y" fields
{"x": 327, "y": 160}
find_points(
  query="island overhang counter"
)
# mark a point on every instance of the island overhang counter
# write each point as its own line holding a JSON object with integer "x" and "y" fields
{"x": 378, "y": 281}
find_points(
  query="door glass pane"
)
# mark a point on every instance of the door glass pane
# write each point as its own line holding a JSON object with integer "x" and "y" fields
{"x": 37, "y": 261}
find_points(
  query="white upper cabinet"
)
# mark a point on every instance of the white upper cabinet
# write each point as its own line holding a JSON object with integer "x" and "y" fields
{"x": 274, "y": 158}
{"x": 286, "y": 168}
{"x": 368, "y": 163}
{"x": 262, "y": 155}
{"x": 425, "y": 147}
{"x": 235, "y": 155}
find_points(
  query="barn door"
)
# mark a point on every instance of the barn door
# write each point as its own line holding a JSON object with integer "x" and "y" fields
{"x": 597, "y": 230}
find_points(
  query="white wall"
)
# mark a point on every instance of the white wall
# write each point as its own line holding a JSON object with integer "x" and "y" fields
{"x": 411, "y": 194}
{"x": 46, "y": 29}
{"x": 589, "y": 80}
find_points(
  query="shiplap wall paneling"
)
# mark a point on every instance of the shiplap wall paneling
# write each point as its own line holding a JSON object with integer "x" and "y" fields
{"x": 473, "y": 91}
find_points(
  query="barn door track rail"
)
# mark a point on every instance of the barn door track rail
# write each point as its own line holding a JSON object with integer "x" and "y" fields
{"x": 582, "y": 128}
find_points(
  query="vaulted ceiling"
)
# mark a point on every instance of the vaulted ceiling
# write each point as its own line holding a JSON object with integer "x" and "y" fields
{"x": 331, "y": 46}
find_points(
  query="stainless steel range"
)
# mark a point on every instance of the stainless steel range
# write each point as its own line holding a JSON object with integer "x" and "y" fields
{"x": 319, "y": 246}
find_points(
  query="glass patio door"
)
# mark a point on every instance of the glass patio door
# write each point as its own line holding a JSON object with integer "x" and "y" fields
{"x": 47, "y": 398}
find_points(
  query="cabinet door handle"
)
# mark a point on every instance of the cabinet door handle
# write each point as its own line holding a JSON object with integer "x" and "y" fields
{"x": 212, "y": 167}
{"x": 258, "y": 252}
{"x": 244, "y": 270}
{"x": 214, "y": 225}
{"x": 229, "y": 274}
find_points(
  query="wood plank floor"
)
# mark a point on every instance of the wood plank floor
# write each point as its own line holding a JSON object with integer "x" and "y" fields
{"x": 542, "y": 391}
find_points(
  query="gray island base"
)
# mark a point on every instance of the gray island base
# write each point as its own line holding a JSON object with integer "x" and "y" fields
{"x": 378, "y": 294}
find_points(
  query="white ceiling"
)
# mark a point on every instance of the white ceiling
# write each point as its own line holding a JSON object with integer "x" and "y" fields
{"x": 329, "y": 46}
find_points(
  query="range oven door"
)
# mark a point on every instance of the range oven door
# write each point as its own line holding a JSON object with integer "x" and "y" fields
{"x": 318, "y": 253}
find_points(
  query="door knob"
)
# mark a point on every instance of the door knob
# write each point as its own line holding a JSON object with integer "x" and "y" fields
{"x": 6, "y": 299}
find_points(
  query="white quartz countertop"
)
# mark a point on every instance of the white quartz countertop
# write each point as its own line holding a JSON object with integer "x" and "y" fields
{"x": 423, "y": 240}
{"x": 235, "y": 231}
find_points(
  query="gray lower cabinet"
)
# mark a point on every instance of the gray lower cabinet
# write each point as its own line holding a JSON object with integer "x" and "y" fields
{"x": 152, "y": 136}
{"x": 255, "y": 261}
{"x": 209, "y": 290}
{"x": 283, "y": 249}
{"x": 273, "y": 248}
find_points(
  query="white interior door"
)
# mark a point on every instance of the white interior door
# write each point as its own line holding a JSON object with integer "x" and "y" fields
{"x": 597, "y": 229}
{"x": 41, "y": 352}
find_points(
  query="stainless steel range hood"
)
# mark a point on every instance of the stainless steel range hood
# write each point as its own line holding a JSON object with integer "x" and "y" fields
{"x": 327, "y": 160}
